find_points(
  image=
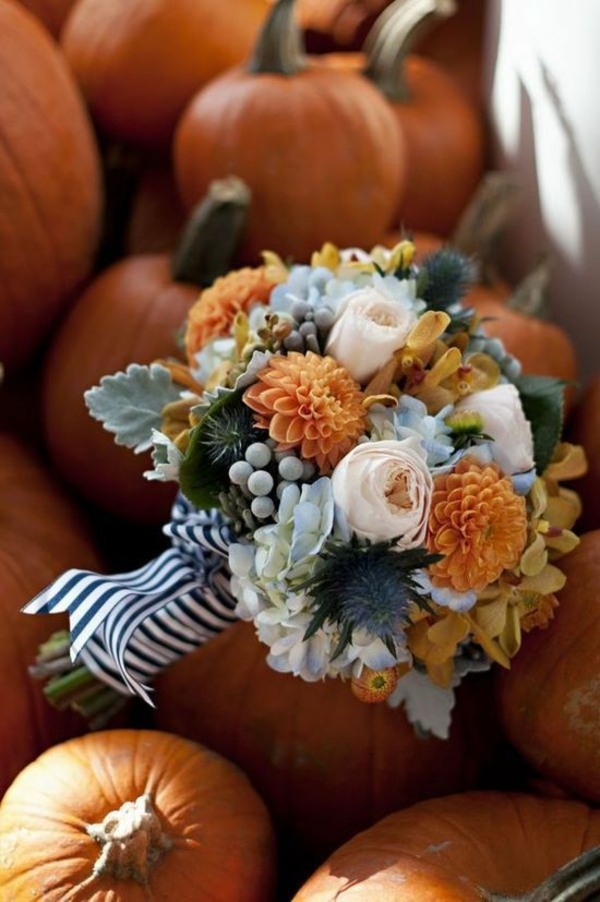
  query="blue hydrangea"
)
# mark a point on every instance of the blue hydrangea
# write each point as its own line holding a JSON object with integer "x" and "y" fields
{"x": 412, "y": 419}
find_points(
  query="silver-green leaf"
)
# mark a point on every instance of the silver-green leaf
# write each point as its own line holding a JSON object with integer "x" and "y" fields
{"x": 129, "y": 404}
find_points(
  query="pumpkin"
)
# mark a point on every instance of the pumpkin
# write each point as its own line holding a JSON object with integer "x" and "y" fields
{"x": 134, "y": 815}
{"x": 130, "y": 314}
{"x": 138, "y": 65}
{"x": 442, "y": 131}
{"x": 549, "y": 701}
{"x": 585, "y": 430}
{"x": 51, "y": 12}
{"x": 326, "y": 764}
{"x": 318, "y": 148}
{"x": 156, "y": 217}
{"x": 49, "y": 185}
{"x": 467, "y": 848}
{"x": 341, "y": 22}
{"x": 41, "y": 534}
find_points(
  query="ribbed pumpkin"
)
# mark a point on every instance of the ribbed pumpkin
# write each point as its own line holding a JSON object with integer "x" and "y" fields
{"x": 326, "y": 764}
{"x": 156, "y": 217}
{"x": 49, "y": 185}
{"x": 41, "y": 534}
{"x": 341, "y": 22}
{"x": 52, "y": 13}
{"x": 140, "y": 62}
{"x": 318, "y": 148}
{"x": 489, "y": 846}
{"x": 131, "y": 816}
{"x": 585, "y": 430}
{"x": 549, "y": 700}
{"x": 130, "y": 314}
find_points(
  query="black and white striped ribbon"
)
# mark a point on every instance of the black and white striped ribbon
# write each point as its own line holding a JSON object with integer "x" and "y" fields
{"x": 127, "y": 627}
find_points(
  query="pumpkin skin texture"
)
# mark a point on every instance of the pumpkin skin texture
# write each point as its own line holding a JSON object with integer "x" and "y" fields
{"x": 221, "y": 840}
{"x": 49, "y": 183}
{"x": 129, "y": 314}
{"x": 157, "y": 216}
{"x": 585, "y": 430}
{"x": 445, "y": 849}
{"x": 326, "y": 764}
{"x": 299, "y": 142}
{"x": 116, "y": 49}
{"x": 51, "y": 12}
{"x": 549, "y": 701}
{"x": 41, "y": 534}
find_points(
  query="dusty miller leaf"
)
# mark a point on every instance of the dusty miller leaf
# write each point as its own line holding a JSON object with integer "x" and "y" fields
{"x": 166, "y": 458}
{"x": 129, "y": 404}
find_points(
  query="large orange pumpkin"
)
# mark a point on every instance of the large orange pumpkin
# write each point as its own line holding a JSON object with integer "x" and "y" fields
{"x": 139, "y": 63}
{"x": 41, "y": 534}
{"x": 585, "y": 430}
{"x": 318, "y": 148}
{"x": 549, "y": 700}
{"x": 326, "y": 764}
{"x": 467, "y": 848}
{"x": 156, "y": 217}
{"x": 49, "y": 184}
{"x": 130, "y": 314}
{"x": 131, "y": 816}
{"x": 51, "y": 12}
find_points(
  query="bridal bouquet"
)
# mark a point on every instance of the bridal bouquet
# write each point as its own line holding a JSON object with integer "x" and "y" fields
{"x": 381, "y": 480}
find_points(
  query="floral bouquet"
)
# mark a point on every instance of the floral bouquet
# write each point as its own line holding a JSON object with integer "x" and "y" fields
{"x": 363, "y": 474}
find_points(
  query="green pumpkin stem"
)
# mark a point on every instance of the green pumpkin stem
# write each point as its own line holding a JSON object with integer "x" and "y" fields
{"x": 577, "y": 881}
{"x": 530, "y": 297}
{"x": 280, "y": 47}
{"x": 212, "y": 234}
{"x": 396, "y": 31}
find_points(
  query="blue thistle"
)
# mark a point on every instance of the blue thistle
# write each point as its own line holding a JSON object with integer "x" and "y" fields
{"x": 227, "y": 433}
{"x": 368, "y": 587}
{"x": 444, "y": 278}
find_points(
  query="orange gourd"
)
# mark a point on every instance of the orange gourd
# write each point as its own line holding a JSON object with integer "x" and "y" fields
{"x": 156, "y": 217}
{"x": 131, "y": 816}
{"x": 326, "y": 764}
{"x": 139, "y": 63}
{"x": 491, "y": 846}
{"x": 41, "y": 534}
{"x": 49, "y": 184}
{"x": 343, "y": 22}
{"x": 549, "y": 701}
{"x": 130, "y": 314}
{"x": 52, "y": 13}
{"x": 585, "y": 430}
{"x": 318, "y": 148}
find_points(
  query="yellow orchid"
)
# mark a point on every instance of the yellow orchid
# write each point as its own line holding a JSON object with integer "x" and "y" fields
{"x": 435, "y": 644}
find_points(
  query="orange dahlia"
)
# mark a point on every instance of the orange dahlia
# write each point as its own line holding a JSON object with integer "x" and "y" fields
{"x": 213, "y": 313}
{"x": 478, "y": 523}
{"x": 310, "y": 403}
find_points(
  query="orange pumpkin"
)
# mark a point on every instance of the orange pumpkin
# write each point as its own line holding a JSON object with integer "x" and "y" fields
{"x": 138, "y": 65}
{"x": 443, "y": 133}
{"x": 52, "y": 13}
{"x": 342, "y": 22}
{"x": 130, "y": 816}
{"x": 41, "y": 534}
{"x": 318, "y": 148}
{"x": 156, "y": 218}
{"x": 585, "y": 430}
{"x": 466, "y": 848}
{"x": 326, "y": 764}
{"x": 549, "y": 700}
{"x": 49, "y": 184}
{"x": 130, "y": 314}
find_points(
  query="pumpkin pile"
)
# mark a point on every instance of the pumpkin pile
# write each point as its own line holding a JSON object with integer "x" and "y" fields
{"x": 149, "y": 148}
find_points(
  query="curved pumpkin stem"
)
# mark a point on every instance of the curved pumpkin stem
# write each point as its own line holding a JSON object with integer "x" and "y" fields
{"x": 212, "y": 234}
{"x": 280, "y": 47}
{"x": 393, "y": 36}
{"x": 530, "y": 297}
{"x": 577, "y": 881}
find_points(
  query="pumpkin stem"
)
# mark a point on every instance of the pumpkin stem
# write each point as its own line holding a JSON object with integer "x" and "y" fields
{"x": 280, "y": 47}
{"x": 487, "y": 217}
{"x": 530, "y": 297}
{"x": 392, "y": 38}
{"x": 72, "y": 686}
{"x": 577, "y": 881}
{"x": 132, "y": 841}
{"x": 212, "y": 233}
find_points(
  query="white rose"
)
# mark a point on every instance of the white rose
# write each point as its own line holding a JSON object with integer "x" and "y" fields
{"x": 384, "y": 489}
{"x": 503, "y": 419}
{"x": 370, "y": 326}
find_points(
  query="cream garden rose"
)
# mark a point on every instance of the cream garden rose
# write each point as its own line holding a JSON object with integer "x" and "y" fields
{"x": 384, "y": 489}
{"x": 370, "y": 326}
{"x": 503, "y": 419}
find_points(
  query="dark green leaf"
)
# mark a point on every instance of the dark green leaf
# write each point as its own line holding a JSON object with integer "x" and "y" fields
{"x": 542, "y": 398}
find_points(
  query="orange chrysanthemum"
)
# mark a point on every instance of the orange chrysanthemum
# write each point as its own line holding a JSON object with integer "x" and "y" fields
{"x": 478, "y": 523}
{"x": 213, "y": 313}
{"x": 310, "y": 403}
